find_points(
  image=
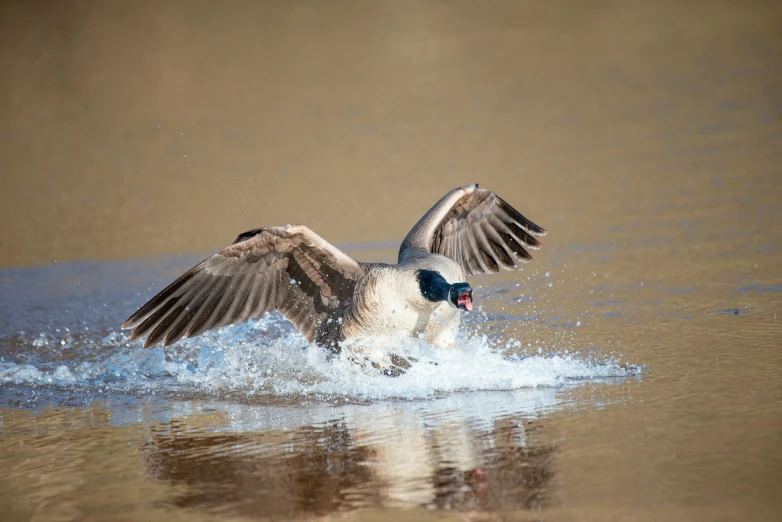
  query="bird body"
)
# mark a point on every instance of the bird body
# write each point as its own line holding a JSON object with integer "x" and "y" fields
{"x": 329, "y": 296}
{"x": 389, "y": 299}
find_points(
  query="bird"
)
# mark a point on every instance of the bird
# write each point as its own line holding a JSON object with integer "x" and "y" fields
{"x": 329, "y": 296}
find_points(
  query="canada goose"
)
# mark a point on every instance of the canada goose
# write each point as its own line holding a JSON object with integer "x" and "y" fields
{"x": 331, "y": 297}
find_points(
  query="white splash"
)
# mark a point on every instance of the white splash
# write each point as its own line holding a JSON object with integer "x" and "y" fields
{"x": 263, "y": 358}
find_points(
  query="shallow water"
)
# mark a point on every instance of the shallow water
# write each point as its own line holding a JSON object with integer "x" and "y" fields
{"x": 632, "y": 371}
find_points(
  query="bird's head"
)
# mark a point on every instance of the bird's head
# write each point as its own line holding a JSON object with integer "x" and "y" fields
{"x": 434, "y": 288}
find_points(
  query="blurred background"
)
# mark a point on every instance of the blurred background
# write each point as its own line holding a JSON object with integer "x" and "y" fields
{"x": 142, "y": 128}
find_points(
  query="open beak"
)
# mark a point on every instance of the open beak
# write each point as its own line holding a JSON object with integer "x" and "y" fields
{"x": 465, "y": 300}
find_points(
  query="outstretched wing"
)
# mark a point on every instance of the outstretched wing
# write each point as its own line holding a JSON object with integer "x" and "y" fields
{"x": 477, "y": 229}
{"x": 290, "y": 269}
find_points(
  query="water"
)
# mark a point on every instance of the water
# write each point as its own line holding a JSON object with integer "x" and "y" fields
{"x": 260, "y": 360}
{"x": 632, "y": 371}
{"x": 565, "y": 376}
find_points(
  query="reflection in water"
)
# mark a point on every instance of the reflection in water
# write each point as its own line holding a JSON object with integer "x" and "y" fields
{"x": 514, "y": 471}
{"x": 392, "y": 456}
{"x": 308, "y": 470}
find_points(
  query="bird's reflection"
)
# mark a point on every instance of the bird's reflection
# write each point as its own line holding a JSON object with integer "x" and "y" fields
{"x": 307, "y": 470}
{"x": 347, "y": 463}
{"x": 512, "y": 472}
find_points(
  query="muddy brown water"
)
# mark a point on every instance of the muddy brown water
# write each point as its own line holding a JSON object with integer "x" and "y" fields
{"x": 646, "y": 137}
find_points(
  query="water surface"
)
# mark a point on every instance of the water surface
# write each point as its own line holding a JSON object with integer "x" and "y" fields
{"x": 632, "y": 371}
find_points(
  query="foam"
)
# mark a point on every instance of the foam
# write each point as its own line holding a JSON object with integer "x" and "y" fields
{"x": 267, "y": 357}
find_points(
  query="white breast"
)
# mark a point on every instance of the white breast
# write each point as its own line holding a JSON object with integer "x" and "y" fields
{"x": 390, "y": 302}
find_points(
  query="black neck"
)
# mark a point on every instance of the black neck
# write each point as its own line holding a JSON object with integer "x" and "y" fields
{"x": 433, "y": 286}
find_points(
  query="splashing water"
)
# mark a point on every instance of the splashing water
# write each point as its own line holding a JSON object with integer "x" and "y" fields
{"x": 268, "y": 358}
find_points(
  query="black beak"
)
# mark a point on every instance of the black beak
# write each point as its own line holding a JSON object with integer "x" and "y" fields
{"x": 465, "y": 300}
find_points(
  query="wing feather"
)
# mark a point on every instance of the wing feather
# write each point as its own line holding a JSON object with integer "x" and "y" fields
{"x": 475, "y": 254}
{"x": 290, "y": 269}
{"x": 477, "y": 229}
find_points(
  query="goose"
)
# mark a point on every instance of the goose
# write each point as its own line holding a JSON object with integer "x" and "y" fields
{"x": 331, "y": 297}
